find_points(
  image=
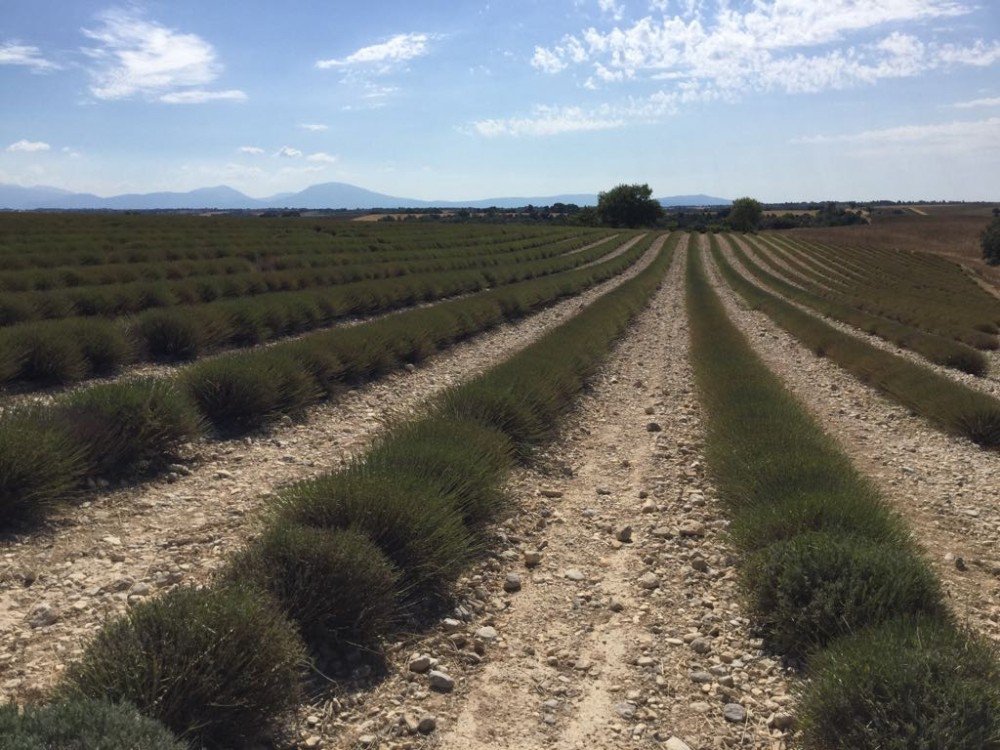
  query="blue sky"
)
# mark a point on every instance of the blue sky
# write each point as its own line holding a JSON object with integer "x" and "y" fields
{"x": 781, "y": 99}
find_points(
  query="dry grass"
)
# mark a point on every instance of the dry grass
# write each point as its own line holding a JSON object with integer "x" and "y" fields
{"x": 952, "y": 231}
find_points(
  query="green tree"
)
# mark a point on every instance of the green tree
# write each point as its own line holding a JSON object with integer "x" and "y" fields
{"x": 629, "y": 206}
{"x": 991, "y": 242}
{"x": 745, "y": 215}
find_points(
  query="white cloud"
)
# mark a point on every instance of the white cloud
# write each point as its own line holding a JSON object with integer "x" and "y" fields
{"x": 137, "y": 57}
{"x": 71, "y": 153}
{"x": 314, "y": 127}
{"x": 13, "y": 53}
{"x": 547, "y": 121}
{"x": 975, "y": 136}
{"x": 252, "y": 150}
{"x": 322, "y": 158}
{"x": 612, "y": 8}
{"x": 779, "y": 45}
{"x": 288, "y": 152}
{"x": 988, "y": 102}
{"x": 26, "y": 146}
{"x": 200, "y": 96}
{"x": 382, "y": 56}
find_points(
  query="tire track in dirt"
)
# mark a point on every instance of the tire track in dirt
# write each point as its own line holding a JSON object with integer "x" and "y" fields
{"x": 59, "y": 583}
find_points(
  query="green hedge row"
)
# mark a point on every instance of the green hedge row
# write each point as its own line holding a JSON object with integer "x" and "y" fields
{"x": 119, "y": 429}
{"x": 937, "y": 349}
{"x": 347, "y": 554}
{"x": 830, "y": 574}
{"x": 113, "y": 300}
{"x": 952, "y": 406}
{"x": 65, "y": 351}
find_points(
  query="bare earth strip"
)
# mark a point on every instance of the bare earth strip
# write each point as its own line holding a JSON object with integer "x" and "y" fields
{"x": 11, "y": 395}
{"x": 58, "y": 584}
{"x": 607, "y": 644}
{"x": 989, "y": 385}
{"x": 945, "y": 487}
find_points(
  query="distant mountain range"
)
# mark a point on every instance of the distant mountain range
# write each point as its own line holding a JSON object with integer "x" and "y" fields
{"x": 329, "y": 195}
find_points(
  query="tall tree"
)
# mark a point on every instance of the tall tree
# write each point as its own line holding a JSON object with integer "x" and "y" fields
{"x": 629, "y": 206}
{"x": 745, "y": 215}
{"x": 991, "y": 242}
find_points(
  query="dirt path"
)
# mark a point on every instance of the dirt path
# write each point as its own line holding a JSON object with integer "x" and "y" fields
{"x": 58, "y": 584}
{"x": 944, "y": 487}
{"x": 606, "y": 644}
{"x": 989, "y": 384}
{"x": 21, "y": 393}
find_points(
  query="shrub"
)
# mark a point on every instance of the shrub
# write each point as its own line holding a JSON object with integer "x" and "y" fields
{"x": 181, "y": 333}
{"x": 813, "y": 588}
{"x": 463, "y": 461}
{"x": 104, "y": 345}
{"x": 82, "y": 725}
{"x": 415, "y": 528}
{"x": 40, "y": 465}
{"x": 215, "y": 666}
{"x": 48, "y": 354}
{"x": 501, "y": 408}
{"x": 122, "y": 426}
{"x": 335, "y": 583}
{"x": 908, "y": 685}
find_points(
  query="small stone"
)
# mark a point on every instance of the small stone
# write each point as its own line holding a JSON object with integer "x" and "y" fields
{"x": 654, "y": 427}
{"x": 783, "y": 720}
{"x": 512, "y": 583}
{"x": 603, "y": 491}
{"x": 692, "y": 528}
{"x": 313, "y": 741}
{"x": 701, "y": 678}
{"x": 649, "y": 507}
{"x": 650, "y": 410}
{"x": 42, "y": 616}
{"x": 676, "y": 743}
{"x": 440, "y": 681}
{"x": 649, "y": 581}
{"x": 428, "y": 723}
{"x": 624, "y": 534}
{"x": 574, "y": 574}
{"x": 549, "y": 492}
{"x": 368, "y": 740}
{"x": 625, "y": 709}
{"x": 223, "y": 474}
{"x": 615, "y": 605}
{"x": 421, "y": 664}
{"x": 112, "y": 540}
{"x": 487, "y": 633}
{"x": 451, "y": 624}
{"x": 701, "y": 645}
{"x": 960, "y": 564}
{"x": 734, "y": 712}
{"x": 532, "y": 558}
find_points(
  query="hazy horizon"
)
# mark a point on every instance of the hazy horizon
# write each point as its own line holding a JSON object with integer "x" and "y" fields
{"x": 780, "y": 99}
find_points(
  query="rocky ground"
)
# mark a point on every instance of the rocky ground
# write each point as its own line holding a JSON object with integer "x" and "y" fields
{"x": 59, "y": 583}
{"x": 608, "y": 616}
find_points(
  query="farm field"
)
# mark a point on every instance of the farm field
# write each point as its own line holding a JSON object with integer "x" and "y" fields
{"x": 293, "y": 482}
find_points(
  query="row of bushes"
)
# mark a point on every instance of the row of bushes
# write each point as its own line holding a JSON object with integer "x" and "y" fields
{"x": 928, "y": 293}
{"x": 44, "y": 279}
{"x": 953, "y": 406}
{"x": 115, "y": 430}
{"x": 65, "y": 351}
{"x": 41, "y": 241}
{"x": 112, "y": 300}
{"x": 346, "y": 556}
{"x": 937, "y": 349}
{"x": 831, "y": 576}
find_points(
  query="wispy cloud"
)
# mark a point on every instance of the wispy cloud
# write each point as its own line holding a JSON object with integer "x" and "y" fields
{"x": 25, "y": 55}
{"x": 314, "y": 127}
{"x": 384, "y": 55}
{"x": 322, "y": 158}
{"x": 548, "y": 121}
{"x": 969, "y": 136}
{"x": 252, "y": 150}
{"x": 287, "y": 152}
{"x": 200, "y": 96}
{"x": 134, "y": 56}
{"x": 782, "y": 45}
{"x": 993, "y": 101}
{"x": 26, "y": 146}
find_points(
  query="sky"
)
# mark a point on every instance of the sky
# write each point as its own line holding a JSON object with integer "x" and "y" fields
{"x": 446, "y": 99}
